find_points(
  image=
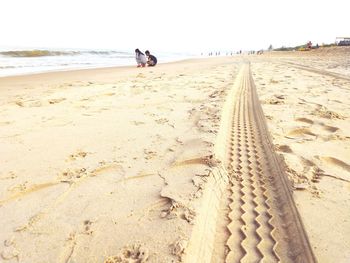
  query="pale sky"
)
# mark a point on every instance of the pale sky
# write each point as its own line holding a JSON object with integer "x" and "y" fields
{"x": 177, "y": 25}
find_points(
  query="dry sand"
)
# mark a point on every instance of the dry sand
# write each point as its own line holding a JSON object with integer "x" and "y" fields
{"x": 306, "y": 99}
{"x": 130, "y": 165}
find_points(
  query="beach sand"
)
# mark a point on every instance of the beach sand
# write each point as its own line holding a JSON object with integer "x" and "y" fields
{"x": 134, "y": 164}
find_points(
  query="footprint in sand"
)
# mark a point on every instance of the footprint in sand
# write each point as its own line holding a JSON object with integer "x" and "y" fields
{"x": 161, "y": 120}
{"x": 283, "y": 148}
{"x": 140, "y": 75}
{"x": 336, "y": 162}
{"x": 109, "y": 94}
{"x": 306, "y": 120}
{"x": 54, "y": 101}
{"x": 179, "y": 247}
{"x": 336, "y": 137}
{"x": 104, "y": 167}
{"x": 21, "y": 190}
{"x": 29, "y": 103}
{"x": 337, "y": 101}
{"x": 131, "y": 253}
{"x": 87, "y": 99}
{"x": 175, "y": 209}
{"x": 276, "y": 100}
{"x": 10, "y": 251}
{"x": 323, "y": 112}
{"x": 325, "y": 127}
{"x": 79, "y": 154}
{"x": 137, "y": 123}
{"x": 9, "y": 175}
{"x": 19, "y": 187}
{"x": 300, "y": 133}
{"x": 71, "y": 176}
{"x": 306, "y": 162}
{"x": 149, "y": 154}
{"x": 4, "y": 123}
{"x": 330, "y": 128}
{"x": 86, "y": 227}
{"x": 272, "y": 81}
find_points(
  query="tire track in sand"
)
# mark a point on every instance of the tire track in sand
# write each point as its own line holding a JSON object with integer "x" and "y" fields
{"x": 264, "y": 223}
{"x": 248, "y": 213}
{"x": 317, "y": 71}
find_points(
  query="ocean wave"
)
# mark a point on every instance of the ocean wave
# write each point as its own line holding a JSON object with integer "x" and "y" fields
{"x": 46, "y": 53}
{"x": 7, "y": 67}
{"x": 34, "y": 53}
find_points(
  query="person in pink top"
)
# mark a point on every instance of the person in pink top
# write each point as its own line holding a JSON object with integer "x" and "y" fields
{"x": 141, "y": 59}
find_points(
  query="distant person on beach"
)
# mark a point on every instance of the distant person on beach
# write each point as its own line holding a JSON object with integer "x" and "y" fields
{"x": 140, "y": 58}
{"x": 152, "y": 60}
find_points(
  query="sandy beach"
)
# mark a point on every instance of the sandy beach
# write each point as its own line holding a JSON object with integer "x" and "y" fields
{"x": 223, "y": 159}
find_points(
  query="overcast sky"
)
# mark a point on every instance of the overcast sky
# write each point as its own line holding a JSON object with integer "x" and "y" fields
{"x": 176, "y": 25}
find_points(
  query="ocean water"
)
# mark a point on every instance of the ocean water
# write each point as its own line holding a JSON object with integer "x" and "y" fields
{"x": 19, "y": 61}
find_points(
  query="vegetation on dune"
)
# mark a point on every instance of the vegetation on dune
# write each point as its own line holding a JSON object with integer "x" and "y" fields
{"x": 302, "y": 47}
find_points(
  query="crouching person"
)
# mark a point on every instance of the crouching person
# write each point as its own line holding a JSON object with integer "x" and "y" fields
{"x": 140, "y": 58}
{"x": 151, "y": 60}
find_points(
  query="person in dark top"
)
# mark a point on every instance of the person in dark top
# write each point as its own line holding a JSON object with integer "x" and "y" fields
{"x": 152, "y": 60}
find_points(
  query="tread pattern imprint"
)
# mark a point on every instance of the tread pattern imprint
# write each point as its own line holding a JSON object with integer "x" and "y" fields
{"x": 261, "y": 221}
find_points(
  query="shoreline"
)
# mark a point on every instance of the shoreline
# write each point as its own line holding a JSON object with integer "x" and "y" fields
{"x": 85, "y": 71}
{"x": 90, "y": 68}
